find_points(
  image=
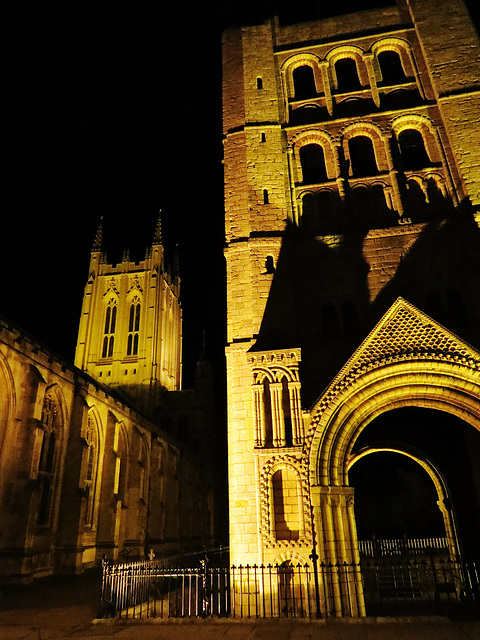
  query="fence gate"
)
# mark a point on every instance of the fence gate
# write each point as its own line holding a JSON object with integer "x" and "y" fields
{"x": 142, "y": 589}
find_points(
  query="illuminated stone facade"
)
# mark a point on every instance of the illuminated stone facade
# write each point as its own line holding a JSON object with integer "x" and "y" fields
{"x": 352, "y": 194}
{"x": 109, "y": 461}
{"x": 131, "y": 325}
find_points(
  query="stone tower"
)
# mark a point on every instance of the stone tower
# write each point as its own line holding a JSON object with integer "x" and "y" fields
{"x": 130, "y": 326}
{"x": 352, "y": 194}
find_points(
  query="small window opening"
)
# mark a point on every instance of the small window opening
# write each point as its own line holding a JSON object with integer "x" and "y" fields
{"x": 265, "y": 197}
{"x": 259, "y": 83}
{"x": 362, "y": 156}
{"x": 304, "y": 82}
{"x": 347, "y": 75}
{"x": 264, "y": 137}
{"x": 413, "y": 150}
{"x": 312, "y": 160}
{"x": 391, "y": 67}
{"x": 269, "y": 265}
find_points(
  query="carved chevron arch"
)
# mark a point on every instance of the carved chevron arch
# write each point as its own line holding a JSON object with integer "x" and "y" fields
{"x": 407, "y": 360}
{"x": 297, "y": 468}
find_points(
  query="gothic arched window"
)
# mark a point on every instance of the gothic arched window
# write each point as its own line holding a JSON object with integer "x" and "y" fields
{"x": 312, "y": 160}
{"x": 91, "y": 459}
{"x": 347, "y": 75}
{"x": 413, "y": 150}
{"x": 362, "y": 156}
{"x": 48, "y": 456}
{"x": 133, "y": 327}
{"x": 109, "y": 329}
{"x": 304, "y": 82}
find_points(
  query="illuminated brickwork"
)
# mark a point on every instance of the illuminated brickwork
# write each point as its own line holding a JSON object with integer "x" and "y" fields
{"x": 352, "y": 177}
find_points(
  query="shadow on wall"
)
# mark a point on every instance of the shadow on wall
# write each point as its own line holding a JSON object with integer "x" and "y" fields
{"x": 328, "y": 293}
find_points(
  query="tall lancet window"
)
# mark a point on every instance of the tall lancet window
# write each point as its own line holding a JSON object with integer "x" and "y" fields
{"x": 47, "y": 463}
{"x": 109, "y": 329}
{"x": 90, "y": 470}
{"x": 133, "y": 327}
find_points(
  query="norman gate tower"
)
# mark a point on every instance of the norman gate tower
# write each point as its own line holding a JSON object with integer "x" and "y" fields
{"x": 352, "y": 195}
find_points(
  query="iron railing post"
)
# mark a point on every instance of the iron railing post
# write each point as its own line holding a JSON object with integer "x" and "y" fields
{"x": 314, "y": 558}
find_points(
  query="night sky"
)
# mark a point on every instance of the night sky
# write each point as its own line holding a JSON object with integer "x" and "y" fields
{"x": 114, "y": 110}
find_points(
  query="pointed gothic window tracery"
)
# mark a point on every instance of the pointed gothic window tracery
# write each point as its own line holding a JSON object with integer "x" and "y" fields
{"x": 133, "y": 327}
{"x": 47, "y": 461}
{"x": 109, "y": 329}
{"x": 91, "y": 462}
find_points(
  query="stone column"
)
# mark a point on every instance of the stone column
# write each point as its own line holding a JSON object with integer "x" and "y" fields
{"x": 341, "y": 591}
{"x": 368, "y": 58}
{"x": 259, "y": 415}
{"x": 326, "y": 86}
{"x": 296, "y": 412}
{"x": 393, "y": 177}
{"x": 293, "y": 180}
{"x": 338, "y": 171}
{"x": 278, "y": 422}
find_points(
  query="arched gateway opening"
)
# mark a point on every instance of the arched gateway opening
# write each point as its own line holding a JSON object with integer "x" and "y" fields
{"x": 412, "y": 407}
{"x": 421, "y": 486}
{"x": 396, "y": 506}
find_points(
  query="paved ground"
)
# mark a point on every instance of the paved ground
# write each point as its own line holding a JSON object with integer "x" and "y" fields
{"x": 67, "y": 607}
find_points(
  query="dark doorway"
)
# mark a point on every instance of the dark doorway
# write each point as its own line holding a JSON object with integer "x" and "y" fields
{"x": 451, "y": 444}
{"x": 394, "y": 498}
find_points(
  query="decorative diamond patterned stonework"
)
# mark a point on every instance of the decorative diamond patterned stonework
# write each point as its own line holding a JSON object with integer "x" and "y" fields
{"x": 403, "y": 334}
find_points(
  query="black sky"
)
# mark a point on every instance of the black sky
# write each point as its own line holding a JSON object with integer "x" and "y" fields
{"x": 114, "y": 110}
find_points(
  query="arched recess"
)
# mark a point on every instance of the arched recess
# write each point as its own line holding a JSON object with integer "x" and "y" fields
{"x": 443, "y": 493}
{"x": 296, "y": 62}
{"x": 295, "y": 497}
{"x": 323, "y": 140}
{"x": 404, "y": 51}
{"x": 426, "y": 129}
{"x": 92, "y": 464}
{"x": 447, "y": 386}
{"x": 49, "y": 456}
{"x": 356, "y": 54}
{"x": 7, "y": 405}
{"x": 365, "y": 130}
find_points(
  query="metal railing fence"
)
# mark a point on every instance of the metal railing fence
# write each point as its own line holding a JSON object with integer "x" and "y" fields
{"x": 402, "y": 547}
{"x": 426, "y": 587}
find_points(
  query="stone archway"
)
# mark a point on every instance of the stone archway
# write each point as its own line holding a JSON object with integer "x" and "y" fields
{"x": 408, "y": 360}
{"x": 444, "y": 500}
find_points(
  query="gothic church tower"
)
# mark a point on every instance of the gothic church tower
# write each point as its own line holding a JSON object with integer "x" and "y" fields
{"x": 131, "y": 325}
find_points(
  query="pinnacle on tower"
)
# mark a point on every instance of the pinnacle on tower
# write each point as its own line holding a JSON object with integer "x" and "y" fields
{"x": 176, "y": 264}
{"x": 157, "y": 238}
{"x": 98, "y": 242}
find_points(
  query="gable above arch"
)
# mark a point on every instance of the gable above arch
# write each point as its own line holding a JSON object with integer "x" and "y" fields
{"x": 408, "y": 359}
{"x": 405, "y": 333}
